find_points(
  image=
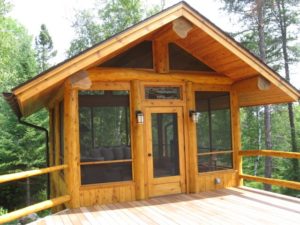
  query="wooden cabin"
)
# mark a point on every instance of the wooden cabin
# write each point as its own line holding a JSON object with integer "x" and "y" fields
{"x": 152, "y": 111}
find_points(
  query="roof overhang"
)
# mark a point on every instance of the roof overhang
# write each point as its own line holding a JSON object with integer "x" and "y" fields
{"x": 37, "y": 92}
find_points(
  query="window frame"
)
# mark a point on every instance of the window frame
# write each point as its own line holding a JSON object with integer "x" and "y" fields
{"x": 215, "y": 88}
{"x": 110, "y": 86}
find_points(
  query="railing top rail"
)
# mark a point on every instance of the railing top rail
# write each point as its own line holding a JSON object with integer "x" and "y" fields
{"x": 34, "y": 208}
{"x": 274, "y": 153}
{"x": 21, "y": 175}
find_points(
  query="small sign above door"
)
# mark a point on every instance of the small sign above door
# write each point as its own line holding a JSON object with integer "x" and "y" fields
{"x": 162, "y": 92}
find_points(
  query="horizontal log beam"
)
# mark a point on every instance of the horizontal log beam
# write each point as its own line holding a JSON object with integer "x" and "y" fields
{"x": 26, "y": 174}
{"x": 257, "y": 83}
{"x": 34, "y": 208}
{"x": 120, "y": 74}
{"x": 276, "y": 182}
{"x": 273, "y": 153}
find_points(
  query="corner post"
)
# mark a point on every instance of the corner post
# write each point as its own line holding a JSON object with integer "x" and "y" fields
{"x": 71, "y": 139}
{"x": 192, "y": 141}
{"x": 236, "y": 136}
{"x": 138, "y": 142}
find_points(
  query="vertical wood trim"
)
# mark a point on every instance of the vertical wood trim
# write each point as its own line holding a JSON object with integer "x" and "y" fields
{"x": 57, "y": 133}
{"x": 52, "y": 149}
{"x": 192, "y": 140}
{"x": 236, "y": 135}
{"x": 51, "y": 135}
{"x": 137, "y": 142}
{"x": 161, "y": 56}
{"x": 71, "y": 140}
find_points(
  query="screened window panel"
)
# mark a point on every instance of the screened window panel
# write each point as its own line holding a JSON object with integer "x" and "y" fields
{"x": 214, "y": 162}
{"x": 105, "y": 173}
{"x": 213, "y": 130}
{"x": 165, "y": 144}
{"x": 139, "y": 56}
{"x": 104, "y": 135}
{"x": 182, "y": 60}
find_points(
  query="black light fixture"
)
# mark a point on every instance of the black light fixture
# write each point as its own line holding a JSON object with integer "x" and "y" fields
{"x": 139, "y": 117}
{"x": 194, "y": 116}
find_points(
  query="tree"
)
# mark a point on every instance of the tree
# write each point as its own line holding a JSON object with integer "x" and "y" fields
{"x": 44, "y": 49}
{"x": 278, "y": 18}
{"x": 106, "y": 20}
{"x": 285, "y": 16}
{"x": 253, "y": 15}
{"x": 21, "y": 148}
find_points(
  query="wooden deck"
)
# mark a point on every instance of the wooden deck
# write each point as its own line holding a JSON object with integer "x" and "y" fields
{"x": 226, "y": 206}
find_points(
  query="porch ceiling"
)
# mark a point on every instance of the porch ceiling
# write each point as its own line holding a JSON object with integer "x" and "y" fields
{"x": 226, "y": 206}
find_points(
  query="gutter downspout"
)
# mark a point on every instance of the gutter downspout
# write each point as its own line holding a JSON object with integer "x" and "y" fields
{"x": 47, "y": 147}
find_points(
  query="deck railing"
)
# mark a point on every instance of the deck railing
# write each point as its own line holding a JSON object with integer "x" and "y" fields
{"x": 272, "y": 181}
{"x": 35, "y": 207}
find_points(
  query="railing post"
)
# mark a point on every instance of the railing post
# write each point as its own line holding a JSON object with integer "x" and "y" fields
{"x": 236, "y": 136}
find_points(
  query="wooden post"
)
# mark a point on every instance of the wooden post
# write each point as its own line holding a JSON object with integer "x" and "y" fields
{"x": 138, "y": 142}
{"x": 71, "y": 139}
{"x": 236, "y": 135}
{"x": 52, "y": 149}
{"x": 161, "y": 56}
{"x": 192, "y": 141}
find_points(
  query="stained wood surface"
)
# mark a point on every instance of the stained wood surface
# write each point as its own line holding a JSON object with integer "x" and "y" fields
{"x": 168, "y": 184}
{"x": 206, "y": 181}
{"x": 226, "y": 206}
{"x": 281, "y": 183}
{"x": 33, "y": 208}
{"x": 236, "y": 134}
{"x": 31, "y": 173}
{"x": 273, "y": 153}
{"x": 99, "y": 194}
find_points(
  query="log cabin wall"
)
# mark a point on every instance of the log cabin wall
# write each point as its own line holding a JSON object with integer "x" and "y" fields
{"x": 135, "y": 80}
{"x": 138, "y": 188}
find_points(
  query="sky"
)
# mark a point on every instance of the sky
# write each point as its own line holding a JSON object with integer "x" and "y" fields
{"x": 58, "y": 17}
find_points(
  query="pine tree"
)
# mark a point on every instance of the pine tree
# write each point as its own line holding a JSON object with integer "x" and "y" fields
{"x": 44, "y": 48}
{"x": 285, "y": 15}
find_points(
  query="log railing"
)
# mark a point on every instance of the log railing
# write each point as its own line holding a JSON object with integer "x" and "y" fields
{"x": 36, "y": 207}
{"x": 272, "y": 181}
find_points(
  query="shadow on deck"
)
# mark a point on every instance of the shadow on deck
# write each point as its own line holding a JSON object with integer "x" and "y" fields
{"x": 226, "y": 206}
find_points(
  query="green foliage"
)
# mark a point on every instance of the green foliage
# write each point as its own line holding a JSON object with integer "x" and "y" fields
{"x": 44, "y": 48}
{"x": 105, "y": 20}
{"x": 2, "y": 211}
{"x": 21, "y": 148}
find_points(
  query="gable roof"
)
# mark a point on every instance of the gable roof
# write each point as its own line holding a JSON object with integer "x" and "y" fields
{"x": 242, "y": 64}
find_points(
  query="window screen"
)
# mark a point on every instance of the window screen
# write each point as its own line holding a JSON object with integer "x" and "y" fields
{"x": 105, "y": 149}
{"x": 139, "y": 56}
{"x": 182, "y": 60}
{"x": 213, "y": 131}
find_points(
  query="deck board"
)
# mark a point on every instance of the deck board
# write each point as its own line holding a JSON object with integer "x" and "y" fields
{"x": 225, "y": 206}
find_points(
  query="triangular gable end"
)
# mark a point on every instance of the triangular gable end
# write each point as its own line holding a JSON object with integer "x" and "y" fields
{"x": 237, "y": 63}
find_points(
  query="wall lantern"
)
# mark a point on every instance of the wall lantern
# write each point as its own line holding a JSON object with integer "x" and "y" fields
{"x": 194, "y": 116}
{"x": 139, "y": 117}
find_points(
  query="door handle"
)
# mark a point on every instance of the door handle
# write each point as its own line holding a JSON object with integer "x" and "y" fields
{"x": 149, "y": 154}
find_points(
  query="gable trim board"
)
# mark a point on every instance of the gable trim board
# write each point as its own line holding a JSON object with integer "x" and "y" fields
{"x": 83, "y": 61}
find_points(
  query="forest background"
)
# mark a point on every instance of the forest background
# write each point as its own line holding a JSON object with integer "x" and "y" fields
{"x": 270, "y": 29}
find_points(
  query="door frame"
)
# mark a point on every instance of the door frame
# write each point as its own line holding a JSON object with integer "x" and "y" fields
{"x": 171, "y": 184}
